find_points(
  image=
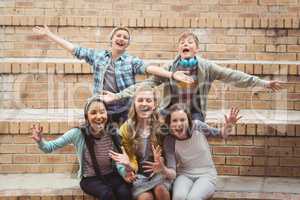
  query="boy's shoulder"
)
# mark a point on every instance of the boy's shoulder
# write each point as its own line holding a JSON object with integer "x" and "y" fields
{"x": 204, "y": 62}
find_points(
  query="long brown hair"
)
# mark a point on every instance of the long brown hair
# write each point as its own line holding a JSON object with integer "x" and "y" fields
{"x": 133, "y": 120}
{"x": 179, "y": 107}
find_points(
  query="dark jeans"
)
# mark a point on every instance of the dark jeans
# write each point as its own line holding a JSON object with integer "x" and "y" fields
{"x": 113, "y": 187}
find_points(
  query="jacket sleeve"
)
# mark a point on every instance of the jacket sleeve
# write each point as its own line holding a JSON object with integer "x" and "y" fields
{"x": 205, "y": 129}
{"x": 65, "y": 139}
{"x": 153, "y": 81}
{"x": 87, "y": 54}
{"x": 128, "y": 146}
{"x": 237, "y": 78}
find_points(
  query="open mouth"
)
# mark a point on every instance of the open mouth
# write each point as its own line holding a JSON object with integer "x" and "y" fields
{"x": 144, "y": 109}
{"x": 186, "y": 50}
{"x": 121, "y": 44}
{"x": 179, "y": 130}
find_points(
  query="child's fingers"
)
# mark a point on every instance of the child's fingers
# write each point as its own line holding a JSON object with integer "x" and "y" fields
{"x": 226, "y": 119}
{"x": 147, "y": 163}
{"x": 148, "y": 170}
{"x": 123, "y": 150}
{"x": 239, "y": 118}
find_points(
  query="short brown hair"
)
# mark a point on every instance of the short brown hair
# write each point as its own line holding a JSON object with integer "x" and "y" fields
{"x": 113, "y": 32}
{"x": 187, "y": 34}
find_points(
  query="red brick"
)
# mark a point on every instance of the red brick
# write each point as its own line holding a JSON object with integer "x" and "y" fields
{"x": 252, "y": 151}
{"x": 65, "y": 168}
{"x": 14, "y": 127}
{"x": 218, "y": 160}
{"x": 227, "y": 150}
{"x": 240, "y": 140}
{"x": 289, "y": 141}
{"x": 25, "y": 159}
{"x": 12, "y": 148}
{"x": 4, "y": 127}
{"x": 17, "y": 139}
{"x": 280, "y": 151}
{"x": 25, "y": 127}
{"x": 290, "y": 162}
{"x": 238, "y": 160}
{"x": 278, "y": 171}
{"x": 54, "y": 158}
{"x": 227, "y": 170}
{"x": 265, "y": 161}
{"x": 252, "y": 171}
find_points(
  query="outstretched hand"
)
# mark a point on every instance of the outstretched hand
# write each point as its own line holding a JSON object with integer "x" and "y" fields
{"x": 158, "y": 164}
{"x": 42, "y": 31}
{"x": 36, "y": 132}
{"x": 230, "y": 121}
{"x": 108, "y": 97}
{"x": 182, "y": 77}
{"x": 274, "y": 85}
{"x": 122, "y": 158}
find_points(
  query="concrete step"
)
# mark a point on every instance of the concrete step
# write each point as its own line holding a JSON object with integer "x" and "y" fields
{"x": 62, "y": 186}
{"x": 264, "y": 142}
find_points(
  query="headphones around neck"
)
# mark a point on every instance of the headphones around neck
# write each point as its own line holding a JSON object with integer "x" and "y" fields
{"x": 188, "y": 62}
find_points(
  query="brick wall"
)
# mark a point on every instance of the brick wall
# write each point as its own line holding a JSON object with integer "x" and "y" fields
{"x": 217, "y": 42}
{"x": 253, "y": 149}
{"x": 158, "y": 8}
{"x": 68, "y": 85}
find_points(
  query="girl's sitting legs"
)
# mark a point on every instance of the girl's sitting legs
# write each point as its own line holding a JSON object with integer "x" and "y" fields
{"x": 185, "y": 188}
{"x": 161, "y": 192}
{"x": 146, "y": 196}
{"x": 181, "y": 187}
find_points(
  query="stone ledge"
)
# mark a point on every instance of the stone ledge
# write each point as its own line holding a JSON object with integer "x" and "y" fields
{"x": 254, "y": 122}
{"x": 228, "y": 187}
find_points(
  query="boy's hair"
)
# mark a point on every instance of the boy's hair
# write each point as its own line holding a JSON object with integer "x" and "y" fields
{"x": 187, "y": 34}
{"x": 113, "y": 32}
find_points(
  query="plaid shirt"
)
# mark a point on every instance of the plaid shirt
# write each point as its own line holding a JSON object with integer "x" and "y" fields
{"x": 126, "y": 67}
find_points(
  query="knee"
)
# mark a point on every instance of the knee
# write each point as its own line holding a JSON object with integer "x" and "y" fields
{"x": 160, "y": 189}
{"x": 145, "y": 196}
{"x": 178, "y": 196}
{"x": 198, "y": 197}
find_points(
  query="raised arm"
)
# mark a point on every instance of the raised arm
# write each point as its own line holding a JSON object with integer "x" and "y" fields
{"x": 49, "y": 146}
{"x": 230, "y": 121}
{"x": 45, "y": 32}
{"x": 161, "y": 72}
{"x": 241, "y": 79}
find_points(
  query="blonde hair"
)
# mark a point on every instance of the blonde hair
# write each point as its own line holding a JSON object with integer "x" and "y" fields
{"x": 133, "y": 120}
{"x": 186, "y": 34}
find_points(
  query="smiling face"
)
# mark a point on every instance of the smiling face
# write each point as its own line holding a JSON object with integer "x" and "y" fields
{"x": 97, "y": 117}
{"x": 144, "y": 104}
{"x": 120, "y": 40}
{"x": 188, "y": 47}
{"x": 179, "y": 124}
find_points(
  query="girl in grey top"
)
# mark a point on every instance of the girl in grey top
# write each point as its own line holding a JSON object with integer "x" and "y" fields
{"x": 195, "y": 170}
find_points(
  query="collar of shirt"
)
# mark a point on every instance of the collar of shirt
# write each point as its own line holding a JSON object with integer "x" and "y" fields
{"x": 123, "y": 57}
